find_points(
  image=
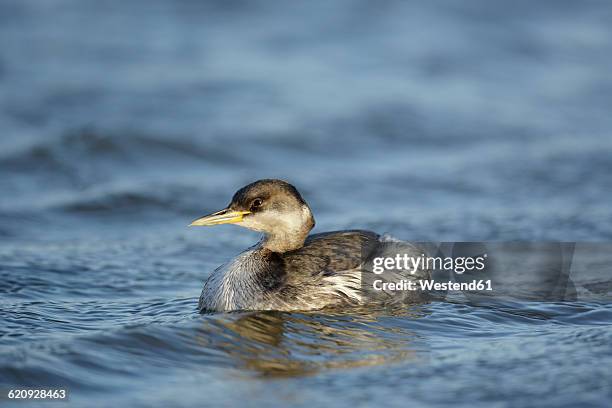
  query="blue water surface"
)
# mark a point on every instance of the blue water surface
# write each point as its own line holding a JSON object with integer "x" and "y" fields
{"x": 120, "y": 122}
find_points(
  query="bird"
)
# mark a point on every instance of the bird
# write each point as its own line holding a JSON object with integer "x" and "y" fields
{"x": 288, "y": 269}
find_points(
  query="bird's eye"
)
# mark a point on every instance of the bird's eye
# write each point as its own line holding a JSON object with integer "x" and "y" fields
{"x": 256, "y": 203}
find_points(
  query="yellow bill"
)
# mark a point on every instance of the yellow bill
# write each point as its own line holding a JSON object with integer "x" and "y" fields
{"x": 225, "y": 216}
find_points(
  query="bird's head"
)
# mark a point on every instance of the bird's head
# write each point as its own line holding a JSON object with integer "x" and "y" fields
{"x": 273, "y": 207}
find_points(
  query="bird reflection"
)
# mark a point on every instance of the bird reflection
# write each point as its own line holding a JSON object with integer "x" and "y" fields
{"x": 278, "y": 344}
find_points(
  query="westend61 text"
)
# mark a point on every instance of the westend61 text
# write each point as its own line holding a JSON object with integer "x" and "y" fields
{"x": 428, "y": 285}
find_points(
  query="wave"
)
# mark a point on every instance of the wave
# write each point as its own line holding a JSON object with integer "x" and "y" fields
{"x": 166, "y": 198}
{"x": 81, "y": 148}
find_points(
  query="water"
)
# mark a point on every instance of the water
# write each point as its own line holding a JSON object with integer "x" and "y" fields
{"x": 121, "y": 122}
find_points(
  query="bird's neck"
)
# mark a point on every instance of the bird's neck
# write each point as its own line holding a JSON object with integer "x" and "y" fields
{"x": 291, "y": 233}
{"x": 284, "y": 242}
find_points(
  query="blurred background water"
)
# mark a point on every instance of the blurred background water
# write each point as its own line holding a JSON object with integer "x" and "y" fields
{"x": 120, "y": 122}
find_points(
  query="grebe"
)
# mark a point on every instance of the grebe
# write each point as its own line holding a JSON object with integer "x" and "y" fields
{"x": 289, "y": 270}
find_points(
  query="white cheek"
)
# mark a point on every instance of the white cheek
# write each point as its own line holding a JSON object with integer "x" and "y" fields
{"x": 269, "y": 221}
{"x": 289, "y": 222}
{"x": 253, "y": 222}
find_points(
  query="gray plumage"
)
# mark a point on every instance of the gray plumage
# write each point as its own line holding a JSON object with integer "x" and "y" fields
{"x": 289, "y": 270}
